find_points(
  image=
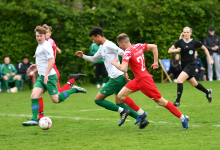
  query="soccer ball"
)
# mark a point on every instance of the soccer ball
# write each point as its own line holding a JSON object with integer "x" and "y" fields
{"x": 45, "y": 123}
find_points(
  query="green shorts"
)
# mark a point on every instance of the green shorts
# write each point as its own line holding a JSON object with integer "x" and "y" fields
{"x": 113, "y": 86}
{"x": 11, "y": 79}
{"x": 51, "y": 85}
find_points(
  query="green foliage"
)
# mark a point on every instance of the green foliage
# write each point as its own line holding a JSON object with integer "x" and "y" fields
{"x": 158, "y": 22}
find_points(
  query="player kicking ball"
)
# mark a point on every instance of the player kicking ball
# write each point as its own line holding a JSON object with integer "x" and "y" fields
{"x": 47, "y": 79}
{"x": 134, "y": 57}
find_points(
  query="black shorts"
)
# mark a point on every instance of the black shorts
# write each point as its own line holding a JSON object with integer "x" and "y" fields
{"x": 190, "y": 69}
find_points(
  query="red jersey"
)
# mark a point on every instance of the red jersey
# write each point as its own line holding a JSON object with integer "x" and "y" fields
{"x": 54, "y": 46}
{"x": 134, "y": 55}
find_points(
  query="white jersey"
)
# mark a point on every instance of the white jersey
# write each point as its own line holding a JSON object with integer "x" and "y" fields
{"x": 43, "y": 52}
{"x": 108, "y": 51}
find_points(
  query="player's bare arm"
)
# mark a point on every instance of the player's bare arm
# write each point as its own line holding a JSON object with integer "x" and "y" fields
{"x": 211, "y": 62}
{"x": 49, "y": 68}
{"x": 58, "y": 50}
{"x": 123, "y": 67}
{"x": 154, "y": 49}
{"x": 173, "y": 49}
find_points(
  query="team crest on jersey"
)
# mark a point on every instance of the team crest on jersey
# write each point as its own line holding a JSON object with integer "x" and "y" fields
{"x": 191, "y": 52}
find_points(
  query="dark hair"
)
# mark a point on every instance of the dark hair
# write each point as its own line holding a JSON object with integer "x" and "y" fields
{"x": 96, "y": 31}
{"x": 24, "y": 57}
{"x": 174, "y": 55}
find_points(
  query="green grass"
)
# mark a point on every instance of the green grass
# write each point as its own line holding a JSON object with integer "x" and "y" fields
{"x": 78, "y": 123}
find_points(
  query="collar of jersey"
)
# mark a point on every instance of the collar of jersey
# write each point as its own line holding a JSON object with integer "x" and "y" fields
{"x": 188, "y": 41}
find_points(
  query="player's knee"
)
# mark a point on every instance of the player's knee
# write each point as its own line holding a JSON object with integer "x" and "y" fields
{"x": 161, "y": 102}
{"x": 121, "y": 97}
{"x": 33, "y": 96}
{"x": 5, "y": 77}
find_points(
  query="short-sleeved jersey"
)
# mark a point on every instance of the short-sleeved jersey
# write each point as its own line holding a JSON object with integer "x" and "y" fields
{"x": 108, "y": 51}
{"x": 134, "y": 55}
{"x": 187, "y": 50}
{"x": 43, "y": 52}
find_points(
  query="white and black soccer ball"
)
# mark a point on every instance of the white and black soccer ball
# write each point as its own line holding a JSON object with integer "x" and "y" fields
{"x": 45, "y": 123}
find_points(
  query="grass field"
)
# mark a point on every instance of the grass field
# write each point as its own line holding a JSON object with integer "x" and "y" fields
{"x": 78, "y": 123}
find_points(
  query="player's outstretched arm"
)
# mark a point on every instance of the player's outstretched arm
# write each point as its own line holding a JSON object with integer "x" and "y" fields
{"x": 207, "y": 54}
{"x": 122, "y": 67}
{"x": 92, "y": 59}
{"x": 173, "y": 49}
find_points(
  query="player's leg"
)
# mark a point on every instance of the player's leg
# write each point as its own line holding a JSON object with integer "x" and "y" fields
{"x": 37, "y": 92}
{"x": 181, "y": 78}
{"x": 104, "y": 74}
{"x": 168, "y": 105}
{"x": 41, "y": 108}
{"x": 73, "y": 78}
{"x": 17, "y": 79}
{"x": 53, "y": 90}
{"x": 199, "y": 86}
{"x": 5, "y": 80}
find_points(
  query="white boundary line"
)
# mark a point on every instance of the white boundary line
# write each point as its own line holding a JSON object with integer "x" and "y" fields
{"x": 79, "y": 118}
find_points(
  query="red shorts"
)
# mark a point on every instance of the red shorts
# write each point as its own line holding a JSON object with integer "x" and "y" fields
{"x": 146, "y": 85}
{"x": 58, "y": 78}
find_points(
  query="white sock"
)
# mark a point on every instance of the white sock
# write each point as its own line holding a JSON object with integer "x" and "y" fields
{"x": 120, "y": 109}
{"x": 140, "y": 112}
{"x": 32, "y": 72}
{"x": 182, "y": 118}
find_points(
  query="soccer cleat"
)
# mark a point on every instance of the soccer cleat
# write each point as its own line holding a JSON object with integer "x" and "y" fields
{"x": 124, "y": 115}
{"x": 185, "y": 122}
{"x": 140, "y": 117}
{"x": 143, "y": 123}
{"x": 79, "y": 89}
{"x": 77, "y": 76}
{"x": 176, "y": 103}
{"x": 209, "y": 95}
{"x": 14, "y": 90}
{"x": 30, "y": 123}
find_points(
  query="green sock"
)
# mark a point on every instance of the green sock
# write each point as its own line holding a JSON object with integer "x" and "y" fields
{"x": 17, "y": 83}
{"x": 107, "y": 105}
{"x": 35, "y": 108}
{"x": 133, "y": 113}
{"x": 103, "y": 80}
{"x": 6, "y": 84}
{"x": 63, "y": 95}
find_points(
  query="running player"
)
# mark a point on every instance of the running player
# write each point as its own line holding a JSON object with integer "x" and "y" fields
{"x": 134, "y": 56}
{"x": 109, "y": 50}
{"x": 47, "y": 79}
{"x": 73, "y": 77}
{"x": 187, "y": 47}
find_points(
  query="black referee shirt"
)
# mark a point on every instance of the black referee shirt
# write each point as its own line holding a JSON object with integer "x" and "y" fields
{"x": 187, "y": 50}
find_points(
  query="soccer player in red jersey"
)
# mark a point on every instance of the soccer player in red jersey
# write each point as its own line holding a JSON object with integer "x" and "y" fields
{"x": 73, "y": 77}
{"x": 134, "y": 56}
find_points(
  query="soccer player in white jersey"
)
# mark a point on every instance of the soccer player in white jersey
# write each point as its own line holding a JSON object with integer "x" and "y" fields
{"x": 47, "y": 79}
{"x": 109, "y": 50}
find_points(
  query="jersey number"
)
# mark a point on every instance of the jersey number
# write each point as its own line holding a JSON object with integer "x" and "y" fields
{"x": 141, "y": 59}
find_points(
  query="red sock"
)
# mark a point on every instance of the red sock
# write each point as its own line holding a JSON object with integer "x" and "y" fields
{"x": 68, "y": 85}
{"x": 41, "y": 106}
{"x": 173, "y": 109}
{"x": 131, "y": 104}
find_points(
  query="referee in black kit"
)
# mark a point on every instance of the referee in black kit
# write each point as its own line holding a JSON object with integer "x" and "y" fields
{"x": 187, "y": 47}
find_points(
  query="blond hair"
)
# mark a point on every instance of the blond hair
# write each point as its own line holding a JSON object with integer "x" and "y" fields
{"x": 47, "y": 27}
{"x": 40, "y": 30}
{"x": 123, "y": 38}
{"x": 190, "y": 29}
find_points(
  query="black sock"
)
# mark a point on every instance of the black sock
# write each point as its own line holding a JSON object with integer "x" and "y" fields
{"x": 179, "y": 91}
{"x": 201, "y": 88}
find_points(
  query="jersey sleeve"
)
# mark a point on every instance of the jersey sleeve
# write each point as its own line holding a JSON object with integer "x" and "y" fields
{"x": 126, "y": 56}
{"x": 177, "y": 44}
{"x": 48, "y": 51}
{"x": 198, "y": 43}
{"x": 115, "y": 49}
{"x": 144, "y": 46}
